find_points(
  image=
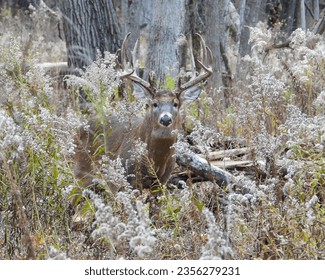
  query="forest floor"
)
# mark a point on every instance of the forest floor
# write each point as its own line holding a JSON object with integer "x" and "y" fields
{"x": 270, "y": 137}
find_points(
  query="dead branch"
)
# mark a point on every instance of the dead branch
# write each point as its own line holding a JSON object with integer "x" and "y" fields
{"x": 203, "y": 168}
{"x": 54, "y": 68}
{"x": 226, "y": 153}
{"x": 232, "y": 164}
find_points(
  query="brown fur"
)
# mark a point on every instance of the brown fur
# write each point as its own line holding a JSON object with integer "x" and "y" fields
{"x": 122, "y": 135}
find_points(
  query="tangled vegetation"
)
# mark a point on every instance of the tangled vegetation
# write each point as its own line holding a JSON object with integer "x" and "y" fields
{"x": 274, "y": 210}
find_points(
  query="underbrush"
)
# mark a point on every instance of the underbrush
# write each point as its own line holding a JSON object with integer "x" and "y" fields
{"x": 275, "y": 212}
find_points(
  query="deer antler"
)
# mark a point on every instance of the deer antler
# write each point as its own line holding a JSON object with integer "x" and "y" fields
{"x": 206, "y": 71}
{"x": 129, "y": 72}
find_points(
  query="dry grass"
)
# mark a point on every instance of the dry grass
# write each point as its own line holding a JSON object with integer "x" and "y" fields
{"x": 277, "y": 108}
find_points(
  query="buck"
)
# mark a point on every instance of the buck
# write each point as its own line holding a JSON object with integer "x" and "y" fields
{"x": 155, "y": 129}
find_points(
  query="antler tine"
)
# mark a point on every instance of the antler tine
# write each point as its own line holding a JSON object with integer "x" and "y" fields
{"x": 206, "y": 71}
{"x": 203, "y": 47}
{"x": 130, "y": 73}
{"x": 134, "y": 59}
{"x": 123, "y": 51}
{"x": 192, "y": 63}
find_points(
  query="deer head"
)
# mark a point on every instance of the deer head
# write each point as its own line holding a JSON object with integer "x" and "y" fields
{"x": 165, "y": 102}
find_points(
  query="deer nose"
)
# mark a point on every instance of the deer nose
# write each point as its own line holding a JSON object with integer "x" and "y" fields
{"x": 165, "y": 119}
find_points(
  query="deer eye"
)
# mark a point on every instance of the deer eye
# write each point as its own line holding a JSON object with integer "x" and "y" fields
{"x": 175, "y": 104}
{"x": 155, "y": 104}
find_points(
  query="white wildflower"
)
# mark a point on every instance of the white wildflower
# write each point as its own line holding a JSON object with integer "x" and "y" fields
{"x": 217, "y": 246}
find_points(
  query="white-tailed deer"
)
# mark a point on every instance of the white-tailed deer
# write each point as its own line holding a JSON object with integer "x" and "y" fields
{"x": 155, "y": 129}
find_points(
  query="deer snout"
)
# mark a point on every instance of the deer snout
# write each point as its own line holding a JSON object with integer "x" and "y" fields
{"x": 165, "y": 119}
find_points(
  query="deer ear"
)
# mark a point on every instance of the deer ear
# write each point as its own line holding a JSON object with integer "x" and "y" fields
{"x": 190, "y": 95}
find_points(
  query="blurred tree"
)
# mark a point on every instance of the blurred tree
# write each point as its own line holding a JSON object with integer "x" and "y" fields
{"x": 89, "y": 27}
{"x": 18, "y": 5}
{"x": 290, "y": 15}
{"x": 165, "y": 30}
{"x": 23, "y": 5}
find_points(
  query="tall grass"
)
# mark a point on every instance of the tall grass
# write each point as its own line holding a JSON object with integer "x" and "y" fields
{"x": 277, "y": 109}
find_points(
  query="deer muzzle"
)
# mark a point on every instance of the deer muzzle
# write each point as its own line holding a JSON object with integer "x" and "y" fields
{"x": 165, "y": 119}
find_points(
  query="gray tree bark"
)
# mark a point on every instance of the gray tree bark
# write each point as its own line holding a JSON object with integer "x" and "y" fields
{"x": 89, "y": 26}
{"x": 166, "y": 30}
{"x": 303, "y": 15}
{"x": 291, "y": 16}
{"x": 210, "y": 21}
{"x": 166, "y": 27}
{"x": 134, "y": 17}
{"x": 157, "y": 25}
{"x": 254, "y": 12}
{"x": 316, "y": 9}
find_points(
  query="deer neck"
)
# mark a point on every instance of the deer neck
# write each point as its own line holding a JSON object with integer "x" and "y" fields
{"x": 153, "y": 132}
{"x": 160, "y": 152}
{"x": 159, "y": 142}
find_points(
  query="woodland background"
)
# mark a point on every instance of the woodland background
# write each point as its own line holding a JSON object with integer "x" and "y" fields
{"x": 261, "y": 117}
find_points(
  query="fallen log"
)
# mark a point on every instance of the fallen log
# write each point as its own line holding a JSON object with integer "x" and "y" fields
{"x": 50, "y": 68}
{"x": 54, "y": 68}
{"x": 232, "y": 164}
{"x": 225, "y": 153}
{"x": 204, "y": 169}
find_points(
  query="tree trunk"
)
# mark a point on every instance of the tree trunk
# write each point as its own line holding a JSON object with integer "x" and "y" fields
{"x": 316, "y": 9}
{"x": 157, "y": 25}
{"x": 291, "y": 16}
{"x": 241, "y": 14}
{"x": 89, "y": 26}
{"x": 134, "y": 16}
{"x": 166, "y": 27}
{"x": 161, "y": 26}
{"x": 254, "y": 12}
{"x": 211, "y": 24}
{"x": 303, "y": 15}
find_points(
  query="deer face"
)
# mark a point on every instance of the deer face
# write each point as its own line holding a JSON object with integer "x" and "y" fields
{"x": 164, "y": 109}
{"x": 164, "y": 105}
